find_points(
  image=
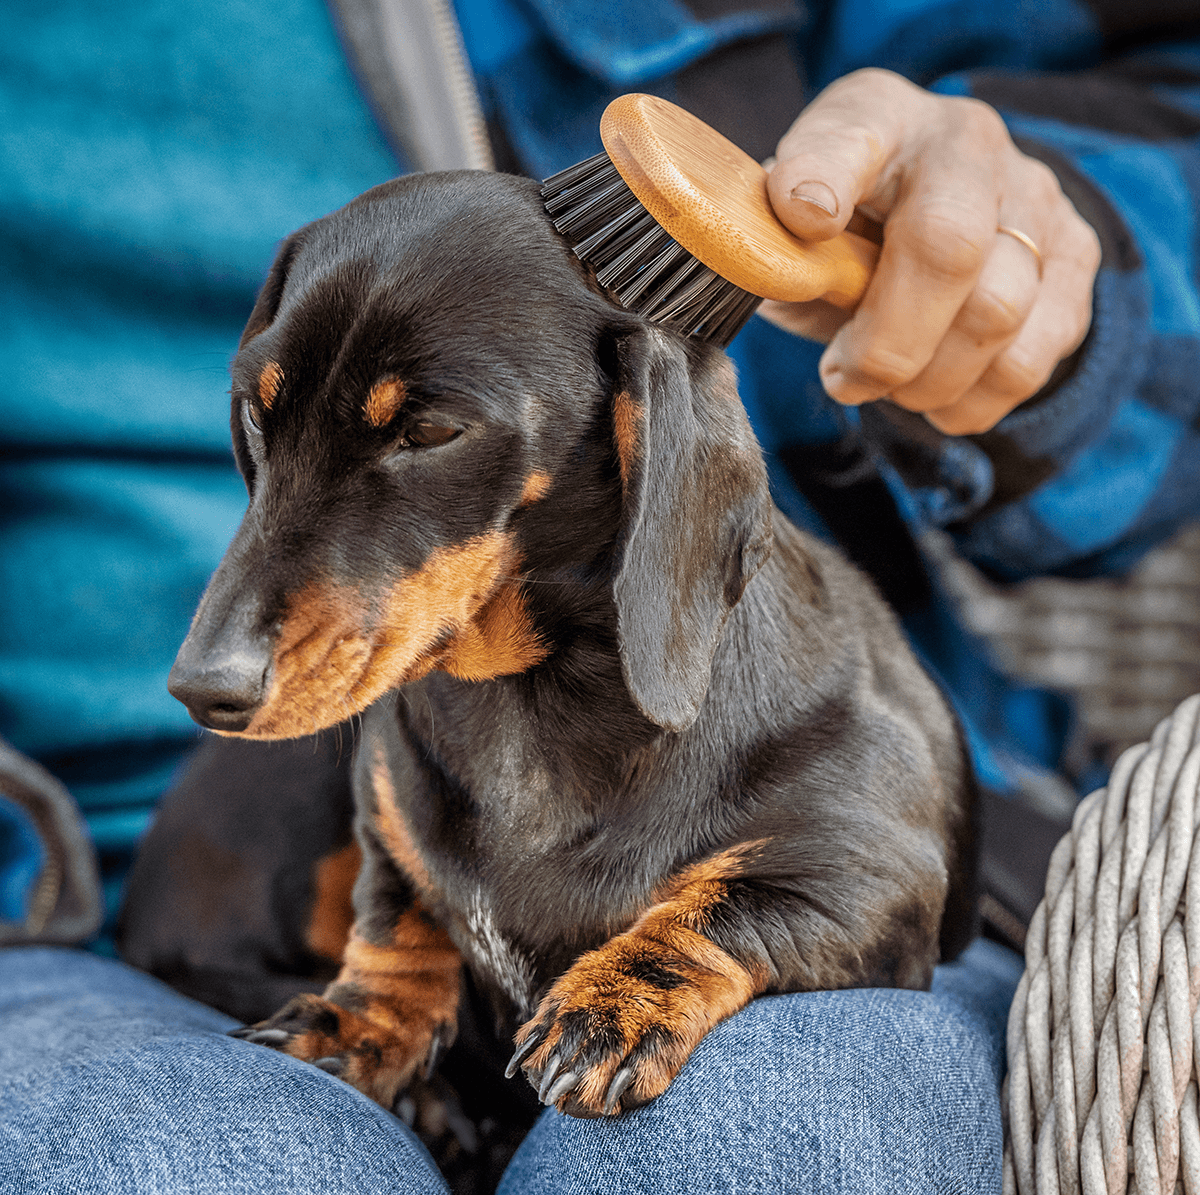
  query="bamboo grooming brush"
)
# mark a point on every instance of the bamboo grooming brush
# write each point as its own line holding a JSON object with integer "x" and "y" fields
{"x": 676, "y": 222}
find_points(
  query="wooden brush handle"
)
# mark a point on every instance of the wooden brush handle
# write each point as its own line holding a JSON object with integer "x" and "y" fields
{"x": 712, "y": 198}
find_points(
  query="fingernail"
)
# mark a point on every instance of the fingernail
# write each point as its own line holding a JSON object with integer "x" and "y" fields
{"x": 841, "y": 390}
{"x": 818, "y": 194}
{"x": 836, "y": 384}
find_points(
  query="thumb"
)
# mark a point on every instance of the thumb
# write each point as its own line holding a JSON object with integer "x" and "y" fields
{"x": 834, "y": 154}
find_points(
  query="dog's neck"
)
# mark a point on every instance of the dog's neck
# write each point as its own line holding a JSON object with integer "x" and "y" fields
{"x": 574, "y": 711}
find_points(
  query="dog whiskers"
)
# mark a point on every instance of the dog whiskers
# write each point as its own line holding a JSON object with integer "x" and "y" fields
{"x": 429, "y": 706}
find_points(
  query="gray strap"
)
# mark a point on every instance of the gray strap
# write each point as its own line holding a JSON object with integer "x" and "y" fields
{"x": 409, "y": 56}
{"x": 65, "y": 905}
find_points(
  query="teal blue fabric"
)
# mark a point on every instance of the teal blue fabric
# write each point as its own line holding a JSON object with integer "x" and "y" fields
{"x": 152, "y": 155}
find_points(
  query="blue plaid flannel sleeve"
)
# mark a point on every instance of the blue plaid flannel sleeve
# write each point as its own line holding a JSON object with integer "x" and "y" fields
{"x": 1085, "y": 477}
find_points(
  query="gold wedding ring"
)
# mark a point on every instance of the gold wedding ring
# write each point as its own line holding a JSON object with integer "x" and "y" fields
{"x": 1016, "y": 234}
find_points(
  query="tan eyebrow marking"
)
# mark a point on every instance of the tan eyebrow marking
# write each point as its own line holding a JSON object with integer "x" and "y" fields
{"x": 385, "y": 399}
{"x": 536, "y": 485}
{"x": 268, "y": 384}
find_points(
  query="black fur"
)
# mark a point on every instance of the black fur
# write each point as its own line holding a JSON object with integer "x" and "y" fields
{"x": 705, "y": 677}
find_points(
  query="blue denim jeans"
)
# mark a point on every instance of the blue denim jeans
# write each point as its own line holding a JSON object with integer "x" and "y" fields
{"x": 110, "y": 1082}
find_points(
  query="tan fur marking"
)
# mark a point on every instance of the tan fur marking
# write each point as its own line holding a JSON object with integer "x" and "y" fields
{"x": 332, "y": 912}
{"x": 499, "y": 641}
{"x": 384, "y": 400}
{"x": 321, "y": 650}
{"x": 415, "y": 977}
{"x": 420, "y": 953}
{"x": 699, "y": 886}
{"x": 339, "y": 651}
{"x": 393, "y": 827}
{"x": 605, "y": 984}
{"x": 400, "y": 996}
{"x": 436, "y": 603}
{"x": 627, "y": 425}
{"x": 269, "y": 382}
{"x": 537, "y": 485}
{"x": 379, "y": 1060}
{"x": 597, "y": 983}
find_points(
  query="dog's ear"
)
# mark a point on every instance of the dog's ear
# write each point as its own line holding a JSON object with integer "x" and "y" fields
{"x": 696, "y": 516}
{"x": 266, "y": 306}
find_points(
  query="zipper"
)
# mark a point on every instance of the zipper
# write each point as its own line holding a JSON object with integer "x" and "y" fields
{"x": 411, "y": 61}
{"x": 460, "y": 81}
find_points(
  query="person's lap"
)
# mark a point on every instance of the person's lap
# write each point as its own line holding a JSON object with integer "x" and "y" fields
{"x": 110, "y": 1082}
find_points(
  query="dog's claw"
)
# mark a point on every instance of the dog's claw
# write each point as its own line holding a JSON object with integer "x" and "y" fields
{"x": 616, "y": 1089}
{"x": 564, "y": 1083}
{"x": 523, "y": 1051}
{"x": 548, "y": 1076}
{"x": 269, "y": 1037}
{"x": 437, "y": 1047}
{"x": 261, "y": 1037}
{"x": 462, "y": 1128}
{"x": 331, "y": 1065}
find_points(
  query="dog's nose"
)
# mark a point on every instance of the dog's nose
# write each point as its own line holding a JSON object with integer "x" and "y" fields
{"x": 220, "y": 694}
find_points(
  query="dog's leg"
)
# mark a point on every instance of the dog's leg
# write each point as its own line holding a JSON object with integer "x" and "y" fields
{"x": 240, "y": 893}
{"x": 614, "y": 1030}
{"x": 393, "y": 1007}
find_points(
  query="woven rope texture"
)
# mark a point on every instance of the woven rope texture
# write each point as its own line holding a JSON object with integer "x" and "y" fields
{"x": 1103, "y": 1042}
{"x": 1127, "y": 650}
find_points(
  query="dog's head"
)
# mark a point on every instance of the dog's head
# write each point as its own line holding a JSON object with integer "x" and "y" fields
{"x": 431, "y": 404}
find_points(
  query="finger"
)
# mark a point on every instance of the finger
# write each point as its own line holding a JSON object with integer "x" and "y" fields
{"x": 817, "y": 320}
{"x": 939, "y": 237}
{"x": 1052, "y": 332}
{"x": 988, "y": 321}
{"x": 837, "y": 149}
{"x": 976, "y": 412}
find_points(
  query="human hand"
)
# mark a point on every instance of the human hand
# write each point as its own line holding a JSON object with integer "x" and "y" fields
{"x": 961, "y": 321}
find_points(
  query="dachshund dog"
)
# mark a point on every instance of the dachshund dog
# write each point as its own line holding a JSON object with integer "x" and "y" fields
{"x": 634, "y": 750}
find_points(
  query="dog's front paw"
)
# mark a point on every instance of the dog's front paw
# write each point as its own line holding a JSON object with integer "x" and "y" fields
{"x": 613, "y": 1032}
{"x": 380, "y": 1060}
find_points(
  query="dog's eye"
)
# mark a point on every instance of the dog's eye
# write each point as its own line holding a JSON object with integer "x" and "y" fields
{"x": 250, "y": 424}
{"x": 430, "y": 435}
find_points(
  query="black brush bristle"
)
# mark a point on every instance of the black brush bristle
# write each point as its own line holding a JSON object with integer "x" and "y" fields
{"x": 645, "y": 269}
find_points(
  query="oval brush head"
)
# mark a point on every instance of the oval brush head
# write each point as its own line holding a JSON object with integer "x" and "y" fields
{"x": 676, "y": 222}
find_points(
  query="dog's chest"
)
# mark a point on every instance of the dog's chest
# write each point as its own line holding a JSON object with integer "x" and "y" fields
{"x": 507, "y": 922}
{"x": 523, "y": 874}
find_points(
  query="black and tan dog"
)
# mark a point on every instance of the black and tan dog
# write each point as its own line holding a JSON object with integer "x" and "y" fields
{"x": 633, "y": 749}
